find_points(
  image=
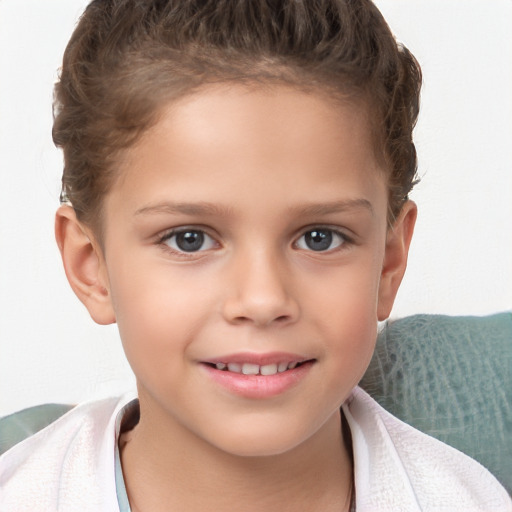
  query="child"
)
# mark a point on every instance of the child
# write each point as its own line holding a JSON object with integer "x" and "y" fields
{"x": 235, "y": 198}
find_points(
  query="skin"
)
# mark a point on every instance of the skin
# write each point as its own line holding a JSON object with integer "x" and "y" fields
{"x": 272, "y": 164}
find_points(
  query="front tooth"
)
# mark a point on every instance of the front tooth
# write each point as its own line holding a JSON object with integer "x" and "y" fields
{"x": 250, "y": 369}
{"x": 291, "y": 366}
{"x": 268, "y": 369}
{"x": 220, "y": 366}
{"x": 235, "y": 367}
{"x": 282, "y": 367}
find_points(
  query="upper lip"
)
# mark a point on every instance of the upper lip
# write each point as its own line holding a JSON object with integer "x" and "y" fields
{"x": 259, "y": 359}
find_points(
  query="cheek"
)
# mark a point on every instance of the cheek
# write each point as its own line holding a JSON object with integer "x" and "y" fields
{"x": 346, "y": 295}
{"x": 345, "y": 312}
{"x": 158, "y": 314}
{"x": 351, "y": 343}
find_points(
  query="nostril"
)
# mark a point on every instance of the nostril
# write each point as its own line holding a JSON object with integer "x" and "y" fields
{"x": 246, "y": 319}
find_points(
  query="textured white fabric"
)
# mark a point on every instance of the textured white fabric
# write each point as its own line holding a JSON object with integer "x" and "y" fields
{"x": 400, "y": 469}
{"x": 69, "y": 466}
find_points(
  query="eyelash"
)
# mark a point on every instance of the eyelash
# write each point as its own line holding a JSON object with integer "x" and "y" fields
{"x": 163, "y": 240}
{"x": 344, "y": 239}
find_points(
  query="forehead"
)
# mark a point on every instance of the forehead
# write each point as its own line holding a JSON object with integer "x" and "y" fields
{"x": 256, "y": 143}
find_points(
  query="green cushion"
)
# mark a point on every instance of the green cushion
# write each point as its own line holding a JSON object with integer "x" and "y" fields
{"x": 450, "y": 377}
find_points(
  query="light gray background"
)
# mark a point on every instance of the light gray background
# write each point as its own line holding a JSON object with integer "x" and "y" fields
{"x": 461, "y": 258}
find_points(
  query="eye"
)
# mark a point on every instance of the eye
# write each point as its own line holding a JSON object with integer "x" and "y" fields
{"x": 188, "y": 240}
{"x": 321, "y": 240}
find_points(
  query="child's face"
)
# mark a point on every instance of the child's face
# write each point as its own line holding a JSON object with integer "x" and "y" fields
{"x": 249, "y": 227}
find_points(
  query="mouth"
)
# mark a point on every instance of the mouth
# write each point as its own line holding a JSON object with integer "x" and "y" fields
{"x": 256, "y": 369}
{"x": 258, "y": 376}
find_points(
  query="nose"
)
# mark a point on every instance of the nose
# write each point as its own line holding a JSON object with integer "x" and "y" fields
{"x": 259, "y": 291}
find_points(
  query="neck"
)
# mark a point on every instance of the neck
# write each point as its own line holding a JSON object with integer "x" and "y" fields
{"x": 164, "y": 472}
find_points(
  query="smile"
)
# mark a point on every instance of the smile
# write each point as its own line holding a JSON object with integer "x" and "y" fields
{"x": 258, "y": 376}
{"x": 256, "y": 369}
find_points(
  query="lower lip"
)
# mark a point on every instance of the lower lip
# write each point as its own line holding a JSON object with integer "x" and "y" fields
{"x": 259, "y": 386}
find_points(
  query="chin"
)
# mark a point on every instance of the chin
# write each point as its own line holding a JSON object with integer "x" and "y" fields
{"x": 258, "y": 447}
{"x": 263, "y": 438}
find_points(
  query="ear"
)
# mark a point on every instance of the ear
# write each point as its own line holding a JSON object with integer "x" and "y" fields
{"x": 84, "y": 265}
{"x": 398, "y": 241}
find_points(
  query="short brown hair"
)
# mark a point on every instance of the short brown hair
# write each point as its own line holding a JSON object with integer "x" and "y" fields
{"x": 127, "y": 57}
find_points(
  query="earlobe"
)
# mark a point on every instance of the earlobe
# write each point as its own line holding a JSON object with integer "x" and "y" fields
{"x": 84, "y": 265}
{"x": 395, "y": 258}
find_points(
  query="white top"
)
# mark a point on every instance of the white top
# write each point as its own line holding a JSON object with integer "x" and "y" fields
{"x": 70, "y": 465}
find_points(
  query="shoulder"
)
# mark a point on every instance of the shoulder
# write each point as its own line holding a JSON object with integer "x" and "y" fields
{"x": 399, "y": 468}
{"x": 69, "y": 460}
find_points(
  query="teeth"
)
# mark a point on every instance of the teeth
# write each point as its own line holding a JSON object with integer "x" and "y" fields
{"x": 255, "y": 369}
{"x": 235, "y": 367}
{"x": 268, "y": 369}
{"x": 282, "y": 367}
{"x": 250, "y": 369}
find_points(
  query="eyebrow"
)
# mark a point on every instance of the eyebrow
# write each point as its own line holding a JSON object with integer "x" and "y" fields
{"x": 199, "y": 208}
{"x": 205, "y": 208}
{"x": 335, "y": 207}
